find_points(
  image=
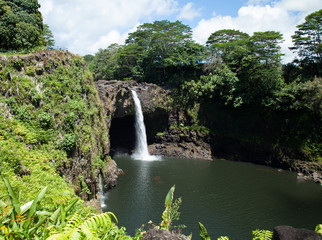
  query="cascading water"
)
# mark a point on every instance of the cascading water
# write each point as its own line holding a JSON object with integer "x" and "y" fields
{"x": 141, "y": 152}
{"x": 101, "y": 191}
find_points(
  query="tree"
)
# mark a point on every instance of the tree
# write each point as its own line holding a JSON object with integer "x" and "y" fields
{"x": 130, "y": 61}
{"x": 21, "y": 24}
{"x": 229, "y": 46}
{"x": 165, "y": 46}
{"x": 8, "y": 21}
{"x": 265, "y": 46}
{"x": 49, "y": 37}
{"x": 308, "y": 43}
{"x": 219, "y": 85}
{"x": 260, "y": 72}
{"x": 27, "y": 35}
{"x": 104, "y": 65}
{"x": 255, "y": 60}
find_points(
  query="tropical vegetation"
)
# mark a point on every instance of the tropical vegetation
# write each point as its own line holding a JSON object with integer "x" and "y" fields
{"x": 50, "y": 113}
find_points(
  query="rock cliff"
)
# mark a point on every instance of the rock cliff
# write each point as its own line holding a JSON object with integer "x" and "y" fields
{"x": 163, "y": 138}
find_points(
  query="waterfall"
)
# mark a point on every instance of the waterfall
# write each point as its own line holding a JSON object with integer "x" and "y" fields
{"x": 141, "y": 151}
{"x": 101, "y": 191}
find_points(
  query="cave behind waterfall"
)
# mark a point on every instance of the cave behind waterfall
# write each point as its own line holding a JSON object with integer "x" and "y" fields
{"x": 122, "y": 130}
{"x": 122, "y": 135}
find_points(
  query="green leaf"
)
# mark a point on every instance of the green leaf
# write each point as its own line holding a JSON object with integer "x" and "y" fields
{"x": 13, "y": 198}
{"x": 72, "y": 203}
{"x": 33, "y": 208}
{"x": 318, "y": 228}
{"x": 169, "y": 197}
{"x": 63, "y": 215}
{"x": 203, "y": 232}
{"x": 24, "y": 208}
{"x": 54, "y": 217}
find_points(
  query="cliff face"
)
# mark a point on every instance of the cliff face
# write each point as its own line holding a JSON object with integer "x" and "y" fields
{"x": 51, "y": 107}
{"x": 172, "y": 131}
{"x": 160, "y": 120}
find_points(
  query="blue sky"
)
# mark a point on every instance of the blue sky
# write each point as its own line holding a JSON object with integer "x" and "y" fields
{"x": 84, "y": 26}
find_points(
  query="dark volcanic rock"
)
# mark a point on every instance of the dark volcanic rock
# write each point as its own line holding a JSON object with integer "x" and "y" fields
{"x": 188, "y": 144}
{"x": 117, "y": 97}
{"x": 158, "y": 234}
{"x": 290, "y": 233}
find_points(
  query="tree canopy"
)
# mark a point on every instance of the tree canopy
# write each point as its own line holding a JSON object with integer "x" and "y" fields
{"x": 21, "y": 25}
{"x": 308, "y": 43}
{"x": 49, "y": 37}
{"x": 161, "y": 52}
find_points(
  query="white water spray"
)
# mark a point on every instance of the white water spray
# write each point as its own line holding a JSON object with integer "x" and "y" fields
{"x": 101, "y": 191}
{"x": 141, "y": 152}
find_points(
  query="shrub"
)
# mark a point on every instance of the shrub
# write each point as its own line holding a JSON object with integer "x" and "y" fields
{"x": 45, "y": 120}
{"x": 68, "y": 143}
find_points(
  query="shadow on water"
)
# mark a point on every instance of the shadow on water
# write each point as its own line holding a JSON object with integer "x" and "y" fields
{"x": 229, "y": 198}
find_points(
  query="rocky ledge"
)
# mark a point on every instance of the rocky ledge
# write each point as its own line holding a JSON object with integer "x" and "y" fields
{"x": 117, "y": 97}
{"x": 178, "y": 143}
{"x": 308, "y": 171}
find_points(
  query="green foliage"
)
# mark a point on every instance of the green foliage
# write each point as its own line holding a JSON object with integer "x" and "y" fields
{"x": 21, "y": 25}
{"x": 84, "y": 185}
{"x": 69, "y": 122}
{"x": 218, "y": 85}
{"x": 227, "y": 45}
{"x": 161, "y": 52}
{"x": 91, "y": 227}
{"x": 68, "y": 143}
{"x": 27, "y": 221}
{"x": 45, "y": 120}
{"x": 105, "y": 63}
{"x": 318, "y": 228}
{"x": 51, "y": 117}
{"x": 166, "y": 215}
{"x": 203, "y": 232}
{"x": 166, "y": 46}
{"x": 49, "y": 37}
{"x": 307, "y": 43}
{"x": 256, "y": 61}
{"x": 262, "y": 234}
{"x": 170, "y": 212}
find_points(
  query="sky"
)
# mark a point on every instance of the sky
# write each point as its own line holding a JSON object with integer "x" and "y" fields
{"x": 84, "y": 26}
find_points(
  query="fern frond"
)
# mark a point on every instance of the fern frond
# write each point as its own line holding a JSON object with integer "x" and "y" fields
{"x": 74, "y": 222}
{"x": 223, "y": 238}
{"x": 89, "y": 234}
{"x": 59, "y": 236}
{"x": 102, "y": 220}
{"x": 262, "y": 234}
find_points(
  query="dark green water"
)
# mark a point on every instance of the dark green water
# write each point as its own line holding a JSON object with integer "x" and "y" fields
{"x": 229, "y": 198}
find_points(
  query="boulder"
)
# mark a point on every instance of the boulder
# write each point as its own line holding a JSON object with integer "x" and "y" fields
{"x": 290, "y": 233}
{"x": 158, "y": 234}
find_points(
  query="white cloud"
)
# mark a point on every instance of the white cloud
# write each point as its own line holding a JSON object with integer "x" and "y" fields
{"x": 46, "y": 7}
{"x": 300, "y": 5}
{"x": 282, "y": 16}
{"x": 83, "y": 26}
{"x": 188, "y": 12}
